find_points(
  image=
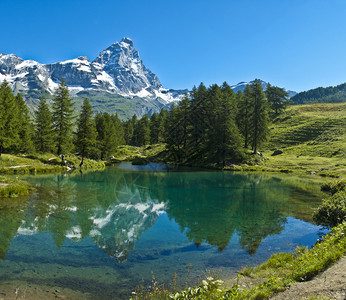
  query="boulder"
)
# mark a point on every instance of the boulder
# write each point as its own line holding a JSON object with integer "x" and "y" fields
{"x": 277, "y": 152}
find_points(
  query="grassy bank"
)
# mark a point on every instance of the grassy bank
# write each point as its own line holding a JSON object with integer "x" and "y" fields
{"x": 43, "y": 163}
{"x": 13, "y": 187}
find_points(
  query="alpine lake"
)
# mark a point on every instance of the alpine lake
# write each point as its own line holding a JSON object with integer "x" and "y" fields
{"x": 102, "y": 234}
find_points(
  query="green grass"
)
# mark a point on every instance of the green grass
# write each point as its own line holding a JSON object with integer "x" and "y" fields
{"x": 13, "y": 187}
{"x": 43, "y": 163}
{"x": 312, "y": 138}
{"x": 146, "y": 153}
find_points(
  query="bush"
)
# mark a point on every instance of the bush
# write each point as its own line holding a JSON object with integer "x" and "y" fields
{"x": 332, "y": 211}
{"x": 334, "y": 187}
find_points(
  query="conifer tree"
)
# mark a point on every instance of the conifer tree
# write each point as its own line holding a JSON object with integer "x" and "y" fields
{"x": 128, "y": 131}
{"x": 154, "y": 128}
{"x": 244, "y": 112}
{"x": 277, "y": 98}
{"x": 44, "y": 134}
{"x": 63, "y": 118}
{"x": 119, "y": 130}
{"x": 133, "y": 126}
{"x": 86, "y": 131}
{"x": 8, "y": 118}
{"x": 25, "y": 129}
{"x": 258, "y": 116}
{"x": 162, "y": 118}
{"x": 106, "y": 135}
{"x": 199, "y": 118}
{"x": 142, "y": 131}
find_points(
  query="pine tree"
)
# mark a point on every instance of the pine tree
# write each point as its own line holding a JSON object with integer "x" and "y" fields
{"x": 25, "y": 128}
{"x": 44, "y": 134}
{"x": 258, "y": 116}
{"x": 277, "y": 98}
{"x": 9, "y": 121}
{"x": 119, "y": 130}
{"x": 162, "y": 118}
{"x": 106, "y": 135}
{"x": 142, "y": 131}
{"x": 63, "y": 118}
{"x": 154, "y": 128}
{"x": 128, "y": 132}
{"x": 86, "y": 131}
{"x": 244, "y": 112}
{"x": 199, "y": 120}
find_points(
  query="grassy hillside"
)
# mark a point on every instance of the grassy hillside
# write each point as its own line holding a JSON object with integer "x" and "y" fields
{"x": 312, "y": 138}
{"x": 104, "y": 102}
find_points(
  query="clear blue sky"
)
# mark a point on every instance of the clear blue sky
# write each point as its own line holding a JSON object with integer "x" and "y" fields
{"x": 296, "y": 44}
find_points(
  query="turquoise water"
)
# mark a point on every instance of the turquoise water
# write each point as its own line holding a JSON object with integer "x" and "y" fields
{"x": 101, "y": 234}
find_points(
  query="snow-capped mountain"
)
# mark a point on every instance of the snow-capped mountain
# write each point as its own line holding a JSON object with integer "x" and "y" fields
{"x": 242, "y": 85}
{"x": 117, "y": 70}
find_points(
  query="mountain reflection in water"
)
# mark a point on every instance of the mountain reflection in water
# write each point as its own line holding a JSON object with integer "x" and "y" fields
{"x": 115, "y": 207}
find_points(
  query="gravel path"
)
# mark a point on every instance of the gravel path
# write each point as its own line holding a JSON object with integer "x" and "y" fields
{"x": 330, "y": 284}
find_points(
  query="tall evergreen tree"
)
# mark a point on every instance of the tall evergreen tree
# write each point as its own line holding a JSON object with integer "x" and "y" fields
{"x": 133, "y": 126}
{"x": 244, "y": 112}
{"x": 63, "y": 118}
{"x": 142, "y": 131}
{"x": 86, "y": 131}
{"x": 9, "y": 120}
{"x": 154, "y": 128}
{"x": 277, "y": 98}
{"x": 259, "y": 116}
{"x": 106, "y": 135}
{"x": 162, "y": 118}
{"x": 44, "y": 134}
{"x": 25, "y": 128}
{"x": 199, "y": 118}
{"x": 119, "y": 130}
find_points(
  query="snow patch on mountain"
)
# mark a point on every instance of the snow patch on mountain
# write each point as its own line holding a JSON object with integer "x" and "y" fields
{"x": 116, "y": 70}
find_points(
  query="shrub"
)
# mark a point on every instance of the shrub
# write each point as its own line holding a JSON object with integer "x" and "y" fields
{"x": 332, "y": 211}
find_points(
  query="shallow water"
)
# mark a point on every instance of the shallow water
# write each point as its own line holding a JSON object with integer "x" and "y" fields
{"x": 103, "y": 233}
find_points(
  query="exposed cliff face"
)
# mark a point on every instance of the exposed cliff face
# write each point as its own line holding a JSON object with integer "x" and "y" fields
{"x": 117, "y": 70}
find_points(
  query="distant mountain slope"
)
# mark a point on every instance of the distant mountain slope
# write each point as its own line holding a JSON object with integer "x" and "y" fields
{"x": 242, "y": 85}
{"x": 116, "y": 75}
{"x": 330, "y": 94}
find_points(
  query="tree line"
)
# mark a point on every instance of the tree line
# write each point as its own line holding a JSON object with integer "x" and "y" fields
{"x": 331, "y": 94}
{"x": 210, "y": 125}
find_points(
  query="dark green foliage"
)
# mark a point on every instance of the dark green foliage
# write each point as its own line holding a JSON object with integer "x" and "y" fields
{"x": 330, "y": 94}
{"x": 25, "y": 128}
{"x": 277, "y": 98}
{"x": 202, "y": 130}
{"x": 9, "y": 121}
{"x": 107, "y": 139}
{"x": 119, "y": 129}
{"x": 44, "y": 134}
{"x": 142, "y": 131}
{"x": 86, "y": 132}
{"x": 63, "y": 119}
{"x": 243, "y": 117}
{"x": 154, "y": 129}
{"x": 258, "y": 116}
{"x": 333, "y": 209}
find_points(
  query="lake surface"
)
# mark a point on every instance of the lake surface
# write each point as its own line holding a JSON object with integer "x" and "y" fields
{"x": 101, "y": 234}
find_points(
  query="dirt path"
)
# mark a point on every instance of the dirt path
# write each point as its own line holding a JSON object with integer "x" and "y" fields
{"x": 330, "y": 284}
